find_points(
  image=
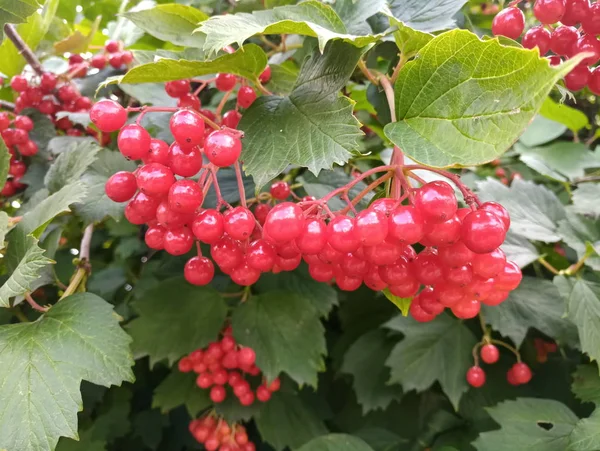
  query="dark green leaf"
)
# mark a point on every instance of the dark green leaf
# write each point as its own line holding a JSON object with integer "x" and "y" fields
{"x": 528, "y": 424}
{"x": 44, "y": 362}
{"x": 179, "y": 389}
{"x": 276, "y": 128}
{"x": 354, "y": 14}
{"x": 534, "y": 210}
{"x": 586, "y": 434}
{"x": 286, "y": 420}
{"x": 336, "y": 442}
{"x": 309, "y": 18}
{"x": 519, "y": 249}
{"x": 435, "y": 351}
{"x": 4, "y": 163}
{"x": 583, "y": 308}
{"x": 585, "y": 199}
{"x": 283, "y": 79}
{"x": 535, "y": 303}
{"x": 365, "y": 362}
{"x": 16, "y": 12}
{"x": 70, "y": 165}
{"x": 198, "y": 312}
{"x": 284, "y": 330}
{"x": 586, "y": 383}
{"x": 171, "y": 22}
{"x": 450, "y": 99}
{"x": 573, "y": 119}
{"x": 232, "y": 411}
{"x": 436, "y": 15}
{"x": 579, "y": 232}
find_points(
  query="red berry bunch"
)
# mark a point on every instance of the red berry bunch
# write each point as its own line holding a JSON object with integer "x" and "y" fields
{"x": 567, "y": 28}
{"x": 518, "y": 374}
{"x": 217, "y": 434}
{"x": 112, "y": 54}
{"x": 224, "y": 363}
{"x": 14, "y": 130}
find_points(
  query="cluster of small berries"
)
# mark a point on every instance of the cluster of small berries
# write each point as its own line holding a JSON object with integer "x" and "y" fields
{"x": 567, "y": 28}
{"x": 17, "y": 138}
{"x": 224, "y": 363}
{"x": 112, "y": 54}
{"x": 518, "y": 374}
{"x": 217, "y": 434}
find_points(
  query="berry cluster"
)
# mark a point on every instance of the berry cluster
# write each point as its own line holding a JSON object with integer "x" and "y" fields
{"x": 224, "y": 363}
{"x": 518, "y": 374}
{"x": 219, "y": 435}
{"x": 112, "y": 54}
{"x": 19, "y": 145}
{"x": 567, "y": 28}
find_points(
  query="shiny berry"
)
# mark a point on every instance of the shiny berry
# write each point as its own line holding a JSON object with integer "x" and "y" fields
{"x": 482, "y": 231}
{"x": 475, "y": 377}
{"x": 155, "y": 179}
{"x": 239, "y": 223}
{"x": 225, "y": 82}
{"x": 436, "y": 202}
{"x": 199, "y": 271}
{"x": 185, "y": 196}
{"x": 231, "y": 119}
{"x": 108, "y": 115}
{"x": 549, "y": 11}
{"x": 280, "y": 190}
{"x": 564, "y": 40}
{"x": 489, "y": 353}
{"x": 208, "y": 226}
{"x": 537, "y": 37}
{"x": 187, "y": 128}
{"x": 372, "y": 227}
{"x": 246, "y": 96}
{"x": 121, "y": 186}
{"x": 184, "y": 163}
{"x": 178, "y": 241}
{"x": 284, "y": 222}
{"x": 222, "y": 148}
{"x": 509, "y": 22}
{"x": 177, "y": 88}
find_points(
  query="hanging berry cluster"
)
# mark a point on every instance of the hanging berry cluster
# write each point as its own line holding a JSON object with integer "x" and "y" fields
{"x": 224, "y": 363}
{"x": 518, "y": 374}
{"x": 14, "y": 130}
{"x": 216, "y": 434}
{"x": 112, "y": 54}
{"x": 567, "y": 28}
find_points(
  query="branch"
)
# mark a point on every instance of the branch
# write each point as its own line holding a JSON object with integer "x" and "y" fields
{"x": 23, "y": 48}
{"x": 7, "y": 105}
{"x": 34, "y": 304}
{"x": 86, "y": 241}
{"x": 83, "y": 268}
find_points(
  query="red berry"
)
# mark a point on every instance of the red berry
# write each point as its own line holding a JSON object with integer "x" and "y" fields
{"x": 227, "y": 254}
{"x": 126, "y": 57}
{"x": 260, "y": 255}
{"x": 406, "y": 224}
{"x": 199, "y": 271}
{"x": 222, "y": 148}
{"x": 436, "y": 201}
{"x": 549, "y": 11}
{"x": 590, "y": 22}
{"x": 499, "y": 211}
{"x": 142, "y": 207}
{"x": 475, "y": 377}
{"x": 265, "y": 75}
{"x": 429, "y": 302}
{"x": 521, "y": 373}
{"x": 99, "y": 61}
{"x": 495, "y": 298}
{"x": 185, "y": 196}
{"x": 218, "y": 394}
{"x": 342, "y": 234}
{"x": 112, "y": 46}
{"x": 509, "y": 278}
{"x": 66, "y": 94}
{"x": 178, "y": 241}
{"x": 231, "y": 119}
{"x": 247, "y": 399}
{"x": 108, "y": 115}
{"x": 456, "y": 254}
{"x": 185, "y": 365}
{"x": 155, "y": 179}
{"x": 246, "y": 357}
{"x": 177, "y": 88}
{"x": 576, "y": 11}
{"x": 372, "y": 227}
{"x": 461, "y": 275}
{"x": 466, "y": 309}
{"x": 19, "y": 83}
{"x": 239, "y": 223}
{"x": 189, "y": 101}
{"x": 428, "y": 268}
{"x": 564, "y": 41}
{"x": 121, "y": 186}
{"x": 578, "y": 78}
{"x": 313, "y": 236}
{"x": 280, "y": 190}
{"x": 48, "y": 82}
{"x": 225, "y": 82}
{"x": 591, "y": 45}
{"x": 4, "y": 121}
{"x": 594, "y": 81}
{"x": 284, "y": 222}
{"x": 263, "y": 394}
{"x": 185, "y": 163}
{"x": 482, "y": 231}
{"x": 417, "y": 312}
{"x": 187, "y": 128}
{"x": 17, "y": 169}
{"x": 397, "y": 273}
{"x": 321, "y": 272}
{"x": 449, "y": 294}
{"x": 537, "y": 37}
{"x": 246, "y": 96}
{"x": 208, "y": 226}
{"x": 489, "y": 353}
{"x": 244, "y": 275}
{"x": 489, "y": 265}
{"x": 158, "y": 152}
{"x": 442, "y": 234}
{"x": 509, "y": 22}
{"x": 155, "y": 237}
{"x": 241, "y": 438}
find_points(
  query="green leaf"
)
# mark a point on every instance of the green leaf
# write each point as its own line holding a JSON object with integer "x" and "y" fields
{"x": 170, "y": 22}
{"x": 580, "y": 233}
{"x": 535, "y": 303}
{"x": 583, "y": 308}
{"x": 96, "y": 205}
{"x": 561, "y": 160}
{"x": 437, "y": 15}
{"x": 42, "y": 364}
{"x": 585, "y": 199}
{"x": 354, "y": 14}
{"x": 25, "y": 274}
{"x": 180, "y": 389}
{"x": 365, "y": 360}
{"x": 572, "y": 118}
{"x": 320, "y": 295}
{"x": 247, "y": 62}
{"x": 4, "y": 163}
{"x": 457, "y": 107}
{"x": 336, "y": 442}
{"x": 403, "y": 304}
{"x": 519, "y": 249}
{"x": 149, "y": 94}
{"x": 199, "y": 313}
{"x": 4, "y": 227}
{"x": 16, "y": 12}
{"x": 527, "y": 423}
{"x": 586, "y": 435}
{"x": 70, "y": 165}
{"x": 82, "y": 119}
{"x": 233, "y": 412}
{"x": 286, "y": 420}
{"x": 284, "y": 330}
{"x": 283, "y": 79}
{"x": 309, "y": 18}
{"x": 586, "y": 383}
{"x": 276, "y": 128}
{"x": 435, "y": 351}
{"x": 409, "y": 41}
{"x": 542, "y": 131}
{"x": 534, "y": 210}
{"x": 32, "y": 30}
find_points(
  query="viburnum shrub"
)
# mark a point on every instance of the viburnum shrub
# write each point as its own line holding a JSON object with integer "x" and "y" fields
{"x": 348, "y": 225}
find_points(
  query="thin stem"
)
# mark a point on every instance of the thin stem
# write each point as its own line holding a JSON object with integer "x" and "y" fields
{"x": 23, "y": 48}
{"x": 507, "y": 346}
{"x": 475, "y": 353}
{"x": 399, "y": 66}
{"x": 577, "y": 266}
{"x": 591, "y": 178}
{"x": 34, "y": 305}
{"x": 16, "y": 311}
{"x": 268, "y": 43}
{"x": 367, "y": 190}
{"x": 548, "y": 266}
{"x": 367, "y": 73}
{"x": 83, "y": 268}
{"x": 482, "y": 323}
{"x": 220, "y": 200}
{"x": 222, "y": 103}
{"x": 240, "y": 182}
{"x": 86, "y": 241}
{"x": 389, "y": 94}
{"x": 262, "y": 89}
